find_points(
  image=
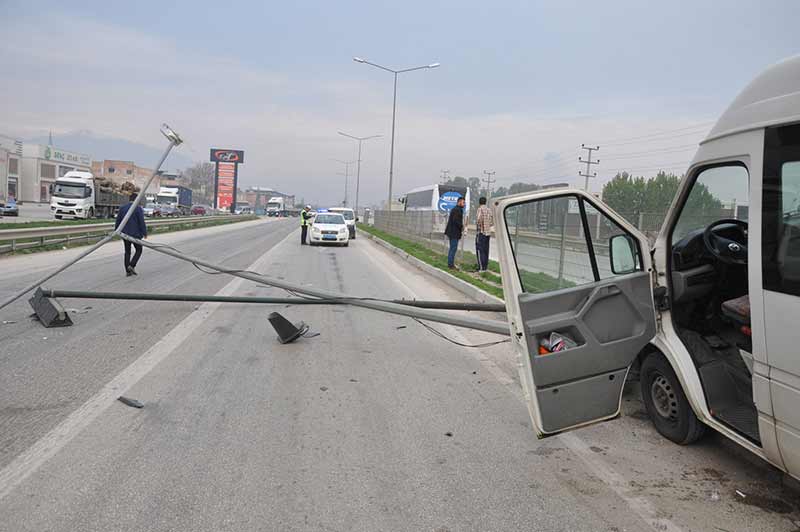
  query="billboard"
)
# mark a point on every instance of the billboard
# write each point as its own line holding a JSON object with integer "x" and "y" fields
{"x": 226, "y": 177}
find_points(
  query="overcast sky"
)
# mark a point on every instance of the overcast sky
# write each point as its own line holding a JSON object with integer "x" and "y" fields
{"x": 521, "y": 86}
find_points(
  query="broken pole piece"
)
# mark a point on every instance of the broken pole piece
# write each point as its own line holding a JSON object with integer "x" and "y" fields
{"x": 287, "y": 331}
{"x": 49, "y": 311}
{"x": 130, "y": 402}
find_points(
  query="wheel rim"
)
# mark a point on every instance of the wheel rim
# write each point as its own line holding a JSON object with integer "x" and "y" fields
{"x": 663, "y": 397}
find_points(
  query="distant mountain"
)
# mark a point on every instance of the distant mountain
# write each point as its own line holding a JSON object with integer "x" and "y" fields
{"x": 101, "y": 147}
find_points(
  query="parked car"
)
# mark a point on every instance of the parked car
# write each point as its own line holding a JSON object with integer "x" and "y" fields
{"x": 329, "y": 228}
{"x": 9, "y": 208}
{"x": 152, "y": 210}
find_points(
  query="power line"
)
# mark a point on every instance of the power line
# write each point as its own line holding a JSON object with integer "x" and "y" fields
{"x": 658, "y": 133}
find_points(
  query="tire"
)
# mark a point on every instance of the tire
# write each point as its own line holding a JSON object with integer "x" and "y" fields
{"x": 90, "y": 214}
{"x": 346, "y": 244}
{"x": 666, "y": 402}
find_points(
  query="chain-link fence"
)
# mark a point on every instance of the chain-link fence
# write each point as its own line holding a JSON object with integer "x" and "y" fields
{"x": 422, "y": 227}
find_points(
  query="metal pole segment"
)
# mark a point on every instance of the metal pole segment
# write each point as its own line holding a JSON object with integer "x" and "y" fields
{"x": 144, "y": 296}
{"x": 172, "y": 143}
{"x": 492, "y": 326}
{"x": 391, "y": 150}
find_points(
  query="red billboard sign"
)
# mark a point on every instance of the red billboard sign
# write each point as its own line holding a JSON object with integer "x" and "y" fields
{"x": 226, "y": 177}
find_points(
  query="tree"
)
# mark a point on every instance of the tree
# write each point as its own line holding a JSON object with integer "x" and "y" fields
{"x": 200, "y": 178}
{"x": 625, "y": 194}
{"x": 635, "y": 196}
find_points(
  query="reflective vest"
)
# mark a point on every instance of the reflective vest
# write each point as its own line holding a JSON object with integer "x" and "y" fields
{"x": 303, "y": 219}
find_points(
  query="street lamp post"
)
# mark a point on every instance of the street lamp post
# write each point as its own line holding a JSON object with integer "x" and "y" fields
{"x": 346, "y": 175}
{"x": 394, "y": 111}
{"x": 358, "y": 161}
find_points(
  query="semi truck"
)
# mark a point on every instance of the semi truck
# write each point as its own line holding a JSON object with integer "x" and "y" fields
{"x": 276, "y": 206}
{"x": 176, "y": 196}
{"x": 82, "y": 195}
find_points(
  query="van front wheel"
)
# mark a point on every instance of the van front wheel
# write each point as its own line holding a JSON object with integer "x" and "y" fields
{"x": 666, "y": 403}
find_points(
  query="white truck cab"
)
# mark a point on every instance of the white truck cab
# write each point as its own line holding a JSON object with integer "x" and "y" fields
{"x": 708, "y": 317}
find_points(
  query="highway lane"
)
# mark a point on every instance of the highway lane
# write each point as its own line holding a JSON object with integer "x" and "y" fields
{"x": 45, "y": 373}
{"x": 376, "y": 424}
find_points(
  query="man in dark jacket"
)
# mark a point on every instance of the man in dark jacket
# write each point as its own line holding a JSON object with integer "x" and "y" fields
{"x": 135, "y": 228}
{"x": 454, "y": 230}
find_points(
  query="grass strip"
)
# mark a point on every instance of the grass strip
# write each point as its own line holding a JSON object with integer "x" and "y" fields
{"x": 437, "y": 260}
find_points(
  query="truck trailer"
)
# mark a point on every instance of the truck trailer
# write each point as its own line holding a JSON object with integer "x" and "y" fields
{"x": 178, "y": 197}
{"x": 82, "y": 195}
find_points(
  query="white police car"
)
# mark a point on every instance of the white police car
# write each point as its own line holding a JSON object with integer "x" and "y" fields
{"x": 329, "y": 228}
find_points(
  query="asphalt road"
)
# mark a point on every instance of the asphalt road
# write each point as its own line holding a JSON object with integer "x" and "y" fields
{"x": 375, "y": 424}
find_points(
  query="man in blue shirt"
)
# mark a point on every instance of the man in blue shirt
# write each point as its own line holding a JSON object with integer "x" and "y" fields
{"x": 135, "y": 228}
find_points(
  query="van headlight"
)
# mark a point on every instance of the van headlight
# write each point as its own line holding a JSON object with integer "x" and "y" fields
{"x": 315, "y": 230}
{"x": 342, "y": 230}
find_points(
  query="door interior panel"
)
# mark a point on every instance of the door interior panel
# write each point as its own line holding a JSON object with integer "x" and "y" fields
{"x": 611, "y": 321}
{"x": 573, "y": 403}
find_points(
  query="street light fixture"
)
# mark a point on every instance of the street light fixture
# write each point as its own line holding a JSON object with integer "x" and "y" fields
{"x": 394, "y": 111}
{"x": 346, "y": 175}
{"x": 358, "y": 161}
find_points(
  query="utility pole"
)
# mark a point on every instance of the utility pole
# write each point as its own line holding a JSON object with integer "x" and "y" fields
{"x": 346, "y": 175}
{"x": 358, "y": 161}
{"x": 489, "y": 182}
{"x": 445, "y": 177}
{"x": 589, "y": 162}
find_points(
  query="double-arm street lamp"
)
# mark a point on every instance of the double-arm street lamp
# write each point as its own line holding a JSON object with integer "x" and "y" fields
{"x": 358, "y": 161}
{"x": 394, "y": 111}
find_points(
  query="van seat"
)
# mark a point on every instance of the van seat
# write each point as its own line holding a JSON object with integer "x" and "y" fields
{"x": 738, "y": 309}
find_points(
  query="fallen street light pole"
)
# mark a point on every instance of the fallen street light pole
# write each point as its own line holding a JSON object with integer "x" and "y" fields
{"x": 479, "y": 324}
{"x": 143, "y": 296}
{"x": 174, "y": 140}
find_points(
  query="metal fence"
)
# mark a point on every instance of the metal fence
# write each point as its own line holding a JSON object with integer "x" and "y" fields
{"x": 24, "y": 238}
{"x": 422, "y": 227}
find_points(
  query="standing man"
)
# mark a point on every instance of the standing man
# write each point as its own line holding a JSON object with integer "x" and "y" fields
{"x": 454, "y": 230}
{"x": 305, "y": 221}
{"x": 485, "y": 221}
{"x": 135, "y": 228}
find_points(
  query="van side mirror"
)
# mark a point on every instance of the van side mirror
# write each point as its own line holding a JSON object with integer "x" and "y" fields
{"x": 358, "y": 219}
{"x": 623, "y": 254}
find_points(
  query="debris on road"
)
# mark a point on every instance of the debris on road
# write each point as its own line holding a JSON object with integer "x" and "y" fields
{"x": 448, "y": 434}
{"x": 323, "y": 388}
{"x": 740, "y": 494}
{"x": 8, "y": 322}
{"x": 130, "y": 402}
{"x": 400, "y": 327}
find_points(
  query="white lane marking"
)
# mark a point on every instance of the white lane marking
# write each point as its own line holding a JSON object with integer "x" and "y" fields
{"x": 638, "y": 504}
{"x": 51, "y": 443}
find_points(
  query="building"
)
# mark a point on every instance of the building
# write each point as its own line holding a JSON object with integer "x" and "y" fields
{"x": 41, "y": 165}
{"x": 258, "y": 197}
{"x": 10, "y": 167}
{"x": 122, "y": 171}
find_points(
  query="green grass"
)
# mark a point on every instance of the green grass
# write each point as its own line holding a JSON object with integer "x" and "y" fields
{"x": 489, "y": 276}
{"x": 490, "y": 281}
{"x": 154, "y": 230}
{"x": 437, "y": 260}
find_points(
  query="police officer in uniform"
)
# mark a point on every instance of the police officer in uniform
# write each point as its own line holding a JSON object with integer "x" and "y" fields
{"x": 305, "y": 221}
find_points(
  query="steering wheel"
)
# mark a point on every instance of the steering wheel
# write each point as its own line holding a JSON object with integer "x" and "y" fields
{"x": 724, "y": 249}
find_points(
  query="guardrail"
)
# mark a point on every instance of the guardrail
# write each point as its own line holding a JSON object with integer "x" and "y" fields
{"x": 25, "y": 238}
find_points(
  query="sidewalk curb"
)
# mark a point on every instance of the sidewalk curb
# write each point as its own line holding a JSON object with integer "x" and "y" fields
{"x": 464, "y": 287}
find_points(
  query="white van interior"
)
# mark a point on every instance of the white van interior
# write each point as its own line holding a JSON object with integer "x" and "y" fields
{"x": 709, "y": 298}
